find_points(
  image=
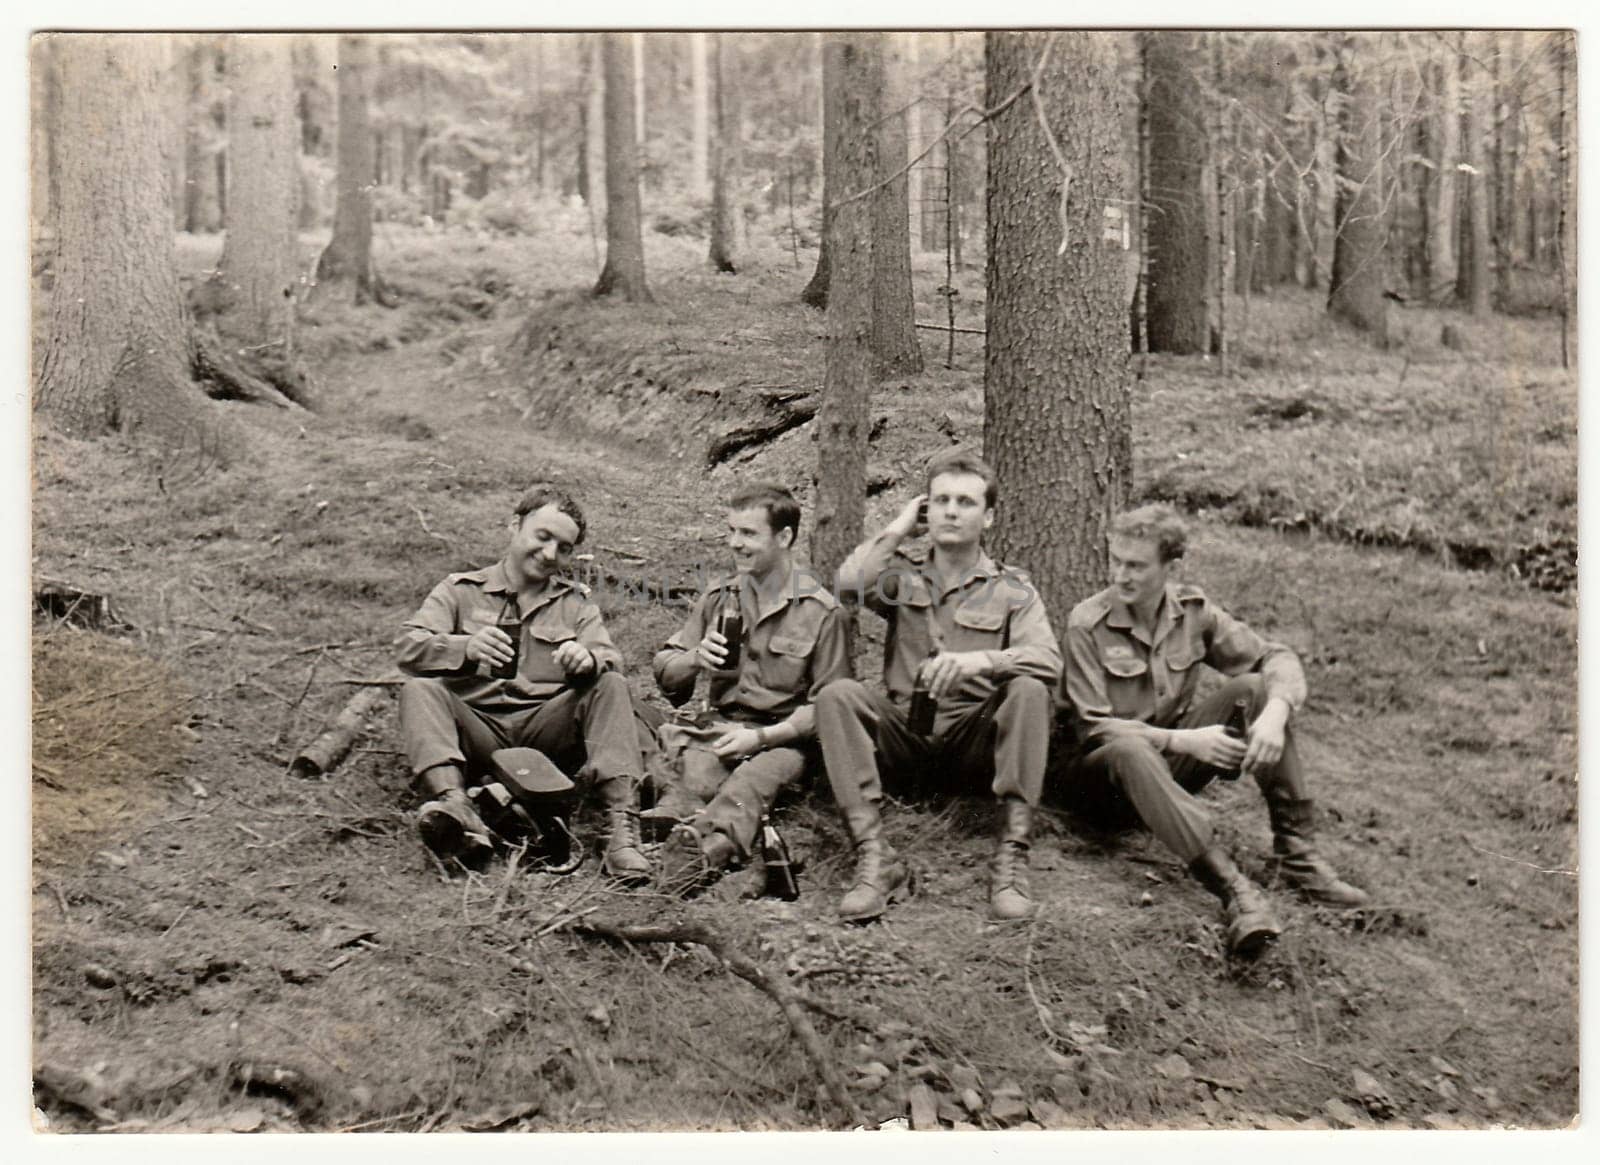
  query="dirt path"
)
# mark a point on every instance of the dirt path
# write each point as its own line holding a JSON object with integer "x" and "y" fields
{"x": 246, "y": 950}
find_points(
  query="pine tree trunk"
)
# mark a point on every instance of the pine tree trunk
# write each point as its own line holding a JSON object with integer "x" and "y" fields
{"x": 894, "y": 331}
{"x": 842, "y": 418}
{"x": 815, "y": 293}
{"x": 915, "y": 137}
{"x": 1503, "y": 165}
{"x": 347, "y": 259}
{"x": 623, "y": 274}
{"x": 1178, "y": 311}
{"x": 1472, "y": 277}
{"x": 637, "y": 47}
{"x": 116, "y": 353}
{"x": 45, "y": 110}
{"x": 700, "y": 134}
{"x": 1447, "y": 152}
{"x": 594, "y": 121}
{"x": 1355, "y": 287}
{"x": 259, "y": 268}
{"x": 1057, "y": 424}
{"x": 725, "y": 156}
{"x": 1565, "y": 236}
{"x": 1279, "y": 228}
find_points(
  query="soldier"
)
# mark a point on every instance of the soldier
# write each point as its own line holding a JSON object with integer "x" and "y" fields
{"x": 1145, "y": 743}
{"x": 790, "y": 640}
{"x": 974, "y": 634}
{"x": 566, "y": 696}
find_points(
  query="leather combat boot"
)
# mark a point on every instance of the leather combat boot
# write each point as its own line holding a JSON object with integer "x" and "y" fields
{"x": 1250, "y": 921}
{"x": 1008, "y": 880}
{"x": 1297, "y": 858}
{"x": 880, "y": 874}
{"x": 623, "y": 860}
{"x": 451, "y": 828}
{"x": 690, "y": 863}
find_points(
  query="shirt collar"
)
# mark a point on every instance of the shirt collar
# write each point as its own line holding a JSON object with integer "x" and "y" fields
{"x": 495, "y": 582}
{"x": 981, "y": 570}
{"x": 1121, "y": 617}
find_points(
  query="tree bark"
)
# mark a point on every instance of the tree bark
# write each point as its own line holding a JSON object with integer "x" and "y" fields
{"x": 259, "y": 271}
{"x": 1507, "y": 113}
{"x": 1178, "y": 309}
{"x": 727, "y": 211}
{"x": 623, "y": 274}
{"x": 44, "y": 92}
{"x": 347, "y": 260}
{"x": 594, "y": 122}
{"x": 894, "y": 332}
{"x": 1281, "y": 193}
{"x": 1355, "y": 287}
{"x": 815, "y": 293}
{"x": 1057, "y": 423}
{"x": 116, "y": 351}
{"x": 1472, "y": 275}
{"x": 840, "y": 482}
{"x": 700, "y": 134}
{"x": 1446, "y": 153}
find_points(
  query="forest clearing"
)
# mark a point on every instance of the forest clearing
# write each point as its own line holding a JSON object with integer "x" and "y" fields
{"x": 222, "y": 944}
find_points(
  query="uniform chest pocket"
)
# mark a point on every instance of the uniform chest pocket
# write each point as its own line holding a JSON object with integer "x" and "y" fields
{"x": 787, "y": 658}
{"x": 539, "y": 643}
{"x": 978, "y": 628}
{"x": 1127, "y": 685}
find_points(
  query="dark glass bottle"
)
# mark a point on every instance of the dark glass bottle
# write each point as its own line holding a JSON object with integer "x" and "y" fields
{"x": 780, "y": 881}
{"x": 510, "y": 622}
{"x": 1238, "y": 727}
{"x": 923, "y": 706}
{"x": 730, "y": 625}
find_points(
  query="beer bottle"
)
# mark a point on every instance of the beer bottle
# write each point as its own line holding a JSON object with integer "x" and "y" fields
{"x": 510, "y": 622}
{"x": 923, "y": 705}
{"x": 779, "y": 881}
{"x": 730, "y": 625}
{"x": 1238, "y": 727}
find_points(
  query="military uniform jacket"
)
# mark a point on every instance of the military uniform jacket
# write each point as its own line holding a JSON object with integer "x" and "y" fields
{"x": 794, "y": 643}
{"x": 993, "y": 609}
{"x": 1117, "y": 672}
{"x": 434, "y": 641}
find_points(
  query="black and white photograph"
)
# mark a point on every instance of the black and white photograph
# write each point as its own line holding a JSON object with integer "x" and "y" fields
{"x": 963, "y": 579}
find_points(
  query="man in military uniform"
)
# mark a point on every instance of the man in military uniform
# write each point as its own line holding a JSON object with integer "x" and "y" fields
{"x": 976, "y": 635}
{"x": 1146, "y": 744}
{"x": 567, "y": 698}
{"x": 748, "y": 743}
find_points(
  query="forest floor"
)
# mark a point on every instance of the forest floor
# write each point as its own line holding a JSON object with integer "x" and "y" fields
{"x": 220, "y": 945}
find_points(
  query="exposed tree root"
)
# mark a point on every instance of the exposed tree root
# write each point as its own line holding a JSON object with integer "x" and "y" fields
{"x": 791, "y": 415}
{"x": 790, "y": 1002}
{"x": 322, "y": 755}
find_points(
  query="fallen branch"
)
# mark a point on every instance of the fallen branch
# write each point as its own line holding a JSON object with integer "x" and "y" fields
{"x": 793, "y": 415}
{"x": 70, "y": 604}
{"x": 322, "y": 755}
{"x": 788, "y": 1001}
{"x": 945, "y": 328}
{"x": 224, "y": 378}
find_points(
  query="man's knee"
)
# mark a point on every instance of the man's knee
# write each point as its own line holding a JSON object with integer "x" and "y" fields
{"x": 419, "y": 692}
{"x": 843, "y": 695}
{"x": 1026, "y": 697}
{"x": 611, "y": 683}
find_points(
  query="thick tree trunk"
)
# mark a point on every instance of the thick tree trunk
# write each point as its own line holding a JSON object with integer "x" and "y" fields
{"x": 623, "y": 274}
{"x": 347, "y": 259}
{"x": 700, "y": 133}
{"x": 1178, "y": 310}
{"x": 1472, "y": 275}
{"x": 116, "y": 352}
{"x": 727, "y": 210}
{"x": 258, "y": 273}
{"x": 1056, "y": 372}
{"x": 842, "y": 419}
{"x": 638, "y": 89}
{"x": 815, "y": 293}
{"x": 894, "y": 330}
{"x": 44, "y": 92}
{"x": 1355, "y": 287}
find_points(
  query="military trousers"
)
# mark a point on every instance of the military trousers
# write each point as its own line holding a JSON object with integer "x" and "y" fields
{"x": 1128, "y": 777}
{"x": 867, "y": 743}
{"x": 589, "y": 727}
{"x": 726, "y": 797}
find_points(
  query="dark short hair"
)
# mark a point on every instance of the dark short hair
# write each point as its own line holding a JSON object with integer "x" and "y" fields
{"x": 1156, "y": 522}
{"x": 542, "y": 494}
{"x": 963, "y": 461}
{"x": 783, "y": 512}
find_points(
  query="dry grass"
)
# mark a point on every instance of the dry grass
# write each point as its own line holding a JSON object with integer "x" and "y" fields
{"x": 283, "y": 954}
